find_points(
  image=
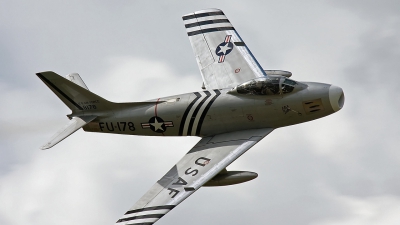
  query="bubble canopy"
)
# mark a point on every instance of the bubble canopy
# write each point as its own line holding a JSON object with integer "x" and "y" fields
{"x": 271, "y": 85}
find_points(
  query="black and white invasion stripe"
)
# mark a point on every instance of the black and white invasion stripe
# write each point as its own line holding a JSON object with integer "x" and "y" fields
{"x": 144, "y": 216}
{"x": 206, "y": 21}
{"x": 195, "y": 113}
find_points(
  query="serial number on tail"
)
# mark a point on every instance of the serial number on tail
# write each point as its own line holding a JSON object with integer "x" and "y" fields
{"x": 89, "y": 107}
{"x": 117, "y": 126}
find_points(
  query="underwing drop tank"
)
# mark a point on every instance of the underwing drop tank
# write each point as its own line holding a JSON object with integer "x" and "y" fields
{"x": 225, "y": 178}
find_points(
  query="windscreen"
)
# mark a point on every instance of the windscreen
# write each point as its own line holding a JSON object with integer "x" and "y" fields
{"x": 266, "y": 86}
{"x": 288, "y": 85}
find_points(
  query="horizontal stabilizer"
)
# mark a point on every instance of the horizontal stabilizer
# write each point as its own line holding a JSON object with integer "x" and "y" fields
{"x": 74, "y": 77}
{"x": 73, "y": 125}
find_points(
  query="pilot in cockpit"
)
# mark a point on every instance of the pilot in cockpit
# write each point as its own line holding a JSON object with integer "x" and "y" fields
{"x": 271, "y": 85}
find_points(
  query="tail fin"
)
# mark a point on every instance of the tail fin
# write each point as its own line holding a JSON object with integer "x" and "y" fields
{"x": 85, "y": 105}
{"x": 75, "y": 95}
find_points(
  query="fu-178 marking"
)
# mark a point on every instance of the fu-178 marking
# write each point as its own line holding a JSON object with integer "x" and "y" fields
{"x": 241, "y": 104}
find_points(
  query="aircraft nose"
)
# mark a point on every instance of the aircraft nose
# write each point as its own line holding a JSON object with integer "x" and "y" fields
{"x": 336, "y": 97}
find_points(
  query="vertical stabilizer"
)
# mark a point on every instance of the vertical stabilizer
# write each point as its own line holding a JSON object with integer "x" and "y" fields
{"x": 74, "y": 94}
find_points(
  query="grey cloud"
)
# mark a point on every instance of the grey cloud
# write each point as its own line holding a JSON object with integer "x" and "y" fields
{"x": 371, "y": 10}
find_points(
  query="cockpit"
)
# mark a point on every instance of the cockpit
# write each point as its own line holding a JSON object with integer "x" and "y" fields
{"x": 271, "y": 85}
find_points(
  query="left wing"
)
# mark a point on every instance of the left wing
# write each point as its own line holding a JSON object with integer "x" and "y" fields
{"x": 205, "y": 160}
{"x": 223, "y": 57}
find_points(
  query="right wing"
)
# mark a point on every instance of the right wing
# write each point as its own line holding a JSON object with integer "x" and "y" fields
{"x": 223, "y": 58}
{"x": 204, "y": 161}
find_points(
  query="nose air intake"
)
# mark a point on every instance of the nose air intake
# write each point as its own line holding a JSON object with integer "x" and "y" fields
{"x": 336, "y": 97}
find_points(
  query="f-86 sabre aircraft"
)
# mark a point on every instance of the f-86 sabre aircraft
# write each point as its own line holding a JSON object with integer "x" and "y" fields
{"x": 239, "y": 105}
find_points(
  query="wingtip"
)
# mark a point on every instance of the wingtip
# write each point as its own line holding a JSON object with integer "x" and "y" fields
{"x": 189, "y": 15}
{"x": 46, "y": 146}
{"x": 208, "y": 10}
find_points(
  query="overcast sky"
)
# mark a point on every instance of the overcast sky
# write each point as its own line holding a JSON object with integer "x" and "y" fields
{"x": 342, "y": 169}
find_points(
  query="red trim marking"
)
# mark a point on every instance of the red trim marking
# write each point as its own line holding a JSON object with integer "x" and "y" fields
{"x": 155, "y": 109}
{"x": 155, "y": 112}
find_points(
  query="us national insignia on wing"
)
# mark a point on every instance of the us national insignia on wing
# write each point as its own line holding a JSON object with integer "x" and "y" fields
{"x": 224, "y": 48}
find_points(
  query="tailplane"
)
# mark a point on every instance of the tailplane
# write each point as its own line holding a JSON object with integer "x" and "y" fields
{"x": 74, "y": 77}
{"x": 73, "y": 125}
{"x": 85, "y": 105}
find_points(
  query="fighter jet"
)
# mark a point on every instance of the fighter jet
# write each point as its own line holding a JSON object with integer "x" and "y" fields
{"x": 239, "y": 104}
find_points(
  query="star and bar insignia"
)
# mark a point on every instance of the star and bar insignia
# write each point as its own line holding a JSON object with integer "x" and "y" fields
{"x": 157, "y": 124}
{"x": 224, "y": 48}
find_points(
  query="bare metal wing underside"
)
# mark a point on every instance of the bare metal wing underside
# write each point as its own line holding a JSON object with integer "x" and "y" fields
{"x": 222, "y": 56}
{"x": 204, "y": 161}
